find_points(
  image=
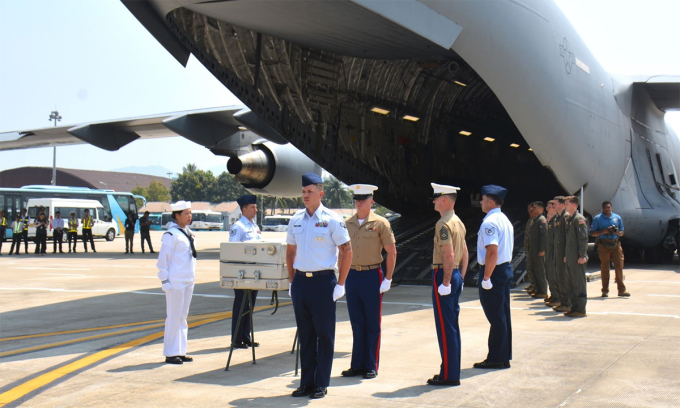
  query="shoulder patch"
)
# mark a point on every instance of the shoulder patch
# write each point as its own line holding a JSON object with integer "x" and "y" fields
{"x": 581, "y": 221}
{"x": 232, "y": 231}
{"x": 443, "y": 234}
{"x": 343, "y": 225}
{"x": 543, "y": 221}
{"x": 490, "y": 231}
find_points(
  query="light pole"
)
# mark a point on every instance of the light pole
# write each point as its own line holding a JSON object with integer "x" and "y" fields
{"x": 54, "y": 116}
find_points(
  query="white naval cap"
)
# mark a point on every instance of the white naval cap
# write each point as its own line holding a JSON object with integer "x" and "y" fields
{"x": 362, "y": 191}
{"x": 441, "y": 189}
{"x": 180, "y": 205}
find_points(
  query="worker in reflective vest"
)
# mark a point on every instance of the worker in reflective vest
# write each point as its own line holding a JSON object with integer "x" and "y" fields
{"x": 72, "y": 232}
{"x": 87, "y": 230}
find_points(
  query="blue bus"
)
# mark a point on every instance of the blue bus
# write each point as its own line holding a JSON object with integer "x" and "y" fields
{"x": 12, "y": 200}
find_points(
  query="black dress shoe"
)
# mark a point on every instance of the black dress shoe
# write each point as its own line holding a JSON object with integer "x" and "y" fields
{"x": 240, "y": 345}
{"x": 319, "y": 392}
{"x": 251, "y": 343}
{"x": 186, "y": 359}
{"x": 437, "y": 380}
{"x": 152, "y": 252}
{"x": 303, "y": 391}
{"x": 353, "y": 372}
{"x": 370, "y": 374}
{"x": 487, "y": 364}
{"x": 173, "y": 360}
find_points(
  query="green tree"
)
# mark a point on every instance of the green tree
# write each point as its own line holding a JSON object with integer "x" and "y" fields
{"x": 196, "y": 185}
{"x": 189, "y": 168}
{"x": 336, "y": 194}
{"x": 226, "y": 188}
{"x": 142, "y": 191}
{"x": 156, "y": 191}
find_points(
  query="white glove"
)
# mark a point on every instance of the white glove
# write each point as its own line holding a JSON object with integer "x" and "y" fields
{"x": 444, "y": 290}
{"x": 338, "y": 292}
{"x": 290, "y": 288}
{"x": 461, "y": 286}
{"x": 486, "y": 284}
{"x": 385, "y": 285}
{"x": 167, "y": 287}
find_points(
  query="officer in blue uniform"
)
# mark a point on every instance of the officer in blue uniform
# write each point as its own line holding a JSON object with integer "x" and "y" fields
{"x": 318, "y": 242}
{"x": 245, "y": 229}
{"x": 494, "y": 253}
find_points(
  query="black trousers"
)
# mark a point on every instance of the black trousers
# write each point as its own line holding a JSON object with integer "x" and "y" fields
{"x": 57, "y": 238}
{"x": 2, "y": 237}
{"x": 146, "y": 236}
{"x": 16, "y": 241}
{"x": 72, "y": 237}
{"x": 24, "y": 236}
{"x": 87, "y": 235}
{"x": 40, "y": 242}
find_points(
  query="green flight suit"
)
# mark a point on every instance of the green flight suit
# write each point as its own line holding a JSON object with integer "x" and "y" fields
{"x": 550, "y": 260}
{"x": 577, "y": 246}
{"x": 537, "y": 237}
{"x": 560, "y": 267}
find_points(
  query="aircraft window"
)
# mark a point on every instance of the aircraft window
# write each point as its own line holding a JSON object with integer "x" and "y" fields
{"x": 671, "y": 177}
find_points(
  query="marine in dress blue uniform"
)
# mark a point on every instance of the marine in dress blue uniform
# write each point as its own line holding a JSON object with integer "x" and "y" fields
{"x": 244, "y": 230}
{"x": 366, "y": 283}
{"x": 494, "y": 252}
{"x": 315, "y": 237}
{"x": 449, "y": 258}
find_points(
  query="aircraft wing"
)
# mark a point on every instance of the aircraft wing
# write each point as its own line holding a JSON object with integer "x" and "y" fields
{"x": 664, "y": 91}
{"x": 212, "y": 128}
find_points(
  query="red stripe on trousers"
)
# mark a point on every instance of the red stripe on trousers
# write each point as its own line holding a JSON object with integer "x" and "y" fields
{"x": 441, "y": 324}
{"x": 377, "y": 349}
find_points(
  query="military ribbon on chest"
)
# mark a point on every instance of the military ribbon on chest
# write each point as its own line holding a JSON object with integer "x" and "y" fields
{"x": 321, "y": 224}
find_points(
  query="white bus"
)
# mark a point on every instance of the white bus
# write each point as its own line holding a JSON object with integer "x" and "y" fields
{"x": 200, "y": 220}
{"x": 277, "y": 223}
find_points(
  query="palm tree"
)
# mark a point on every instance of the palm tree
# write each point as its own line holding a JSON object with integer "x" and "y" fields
{"x": 189, "y": 168}
{"x": 336, "y": 196}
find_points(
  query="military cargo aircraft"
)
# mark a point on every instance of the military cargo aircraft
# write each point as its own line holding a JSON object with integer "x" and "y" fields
{"x": 401, "y": 93}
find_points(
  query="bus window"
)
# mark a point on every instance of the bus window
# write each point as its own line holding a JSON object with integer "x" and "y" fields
{"x": 198, "y": 217}
{"x": 127, "y": 203}
{"x": 213, "y": 218}
{"x": 33, "y": 212}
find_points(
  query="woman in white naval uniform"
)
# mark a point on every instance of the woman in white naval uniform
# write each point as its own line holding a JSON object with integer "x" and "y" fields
{"x": 176, "y": 270}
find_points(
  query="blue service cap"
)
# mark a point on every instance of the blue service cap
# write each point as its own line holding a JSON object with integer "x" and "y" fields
{"x": 493, "y": 189}
{"x": 246, "y": 199}
{"x": 311, "y": 178}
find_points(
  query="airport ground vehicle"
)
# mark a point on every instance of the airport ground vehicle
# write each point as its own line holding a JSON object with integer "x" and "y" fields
{"x": 277, "y": 223}
{"x": 103, "y": 226}
{"x": 201, "y": 220}
{"x": 117, "y": 204}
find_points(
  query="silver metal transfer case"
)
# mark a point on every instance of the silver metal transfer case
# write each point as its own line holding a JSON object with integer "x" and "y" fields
{"x": 255, "y": 265}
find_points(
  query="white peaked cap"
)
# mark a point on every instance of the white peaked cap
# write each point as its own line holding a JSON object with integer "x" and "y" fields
{"x": 180, "y": 205}
{"x": 440, "y": 189}
{"x": 362, "y": 189}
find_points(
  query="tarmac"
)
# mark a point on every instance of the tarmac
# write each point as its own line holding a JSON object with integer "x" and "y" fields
{"x": 86, "y": 330}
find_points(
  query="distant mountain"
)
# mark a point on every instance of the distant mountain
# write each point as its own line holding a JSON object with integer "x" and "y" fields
{"x": 159, "y": 171}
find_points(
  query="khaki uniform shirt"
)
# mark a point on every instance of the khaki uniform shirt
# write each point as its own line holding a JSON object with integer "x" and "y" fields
{"x": 369, "y": 238}
{"x": 449, "y": 231}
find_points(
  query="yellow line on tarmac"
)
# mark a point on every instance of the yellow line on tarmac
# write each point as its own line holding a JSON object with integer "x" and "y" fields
{"x": 45, "y": 379}
{"x": 116, "y": 326}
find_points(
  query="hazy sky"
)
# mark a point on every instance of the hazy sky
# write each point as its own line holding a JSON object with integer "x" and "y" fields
{"x": 92, "y": 60}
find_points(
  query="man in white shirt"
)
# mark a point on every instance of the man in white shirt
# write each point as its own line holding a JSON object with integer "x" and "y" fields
{"x": 494, "y": 253}
{"x": 57, "y": 232}
{"x": 176, "y": 270}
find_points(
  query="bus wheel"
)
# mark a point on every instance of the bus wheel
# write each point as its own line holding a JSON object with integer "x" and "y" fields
{"x": 110, "y": 234}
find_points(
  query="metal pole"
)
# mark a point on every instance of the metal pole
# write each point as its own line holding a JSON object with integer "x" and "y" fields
{"x": 54, "y": 116}
{"x": 581, "y": 200}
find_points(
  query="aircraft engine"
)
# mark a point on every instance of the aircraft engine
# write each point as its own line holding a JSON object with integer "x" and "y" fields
{"x": 272, "y": 169}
